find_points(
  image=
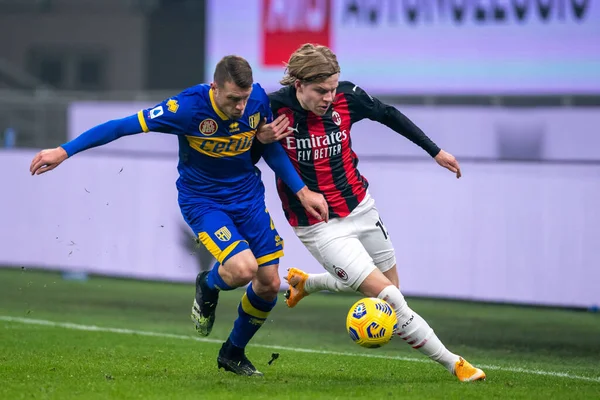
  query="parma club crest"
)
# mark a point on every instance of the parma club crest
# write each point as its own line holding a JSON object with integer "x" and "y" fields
{"x": 223, "y": 234}
{"x": 254, "y": 120}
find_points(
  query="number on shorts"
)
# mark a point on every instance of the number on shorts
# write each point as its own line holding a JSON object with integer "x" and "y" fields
{"x": 383, "y": 230}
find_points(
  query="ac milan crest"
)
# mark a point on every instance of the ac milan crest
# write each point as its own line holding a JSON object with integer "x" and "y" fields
{"x": 335, "y": 116}
{"x": 340, "y": 273}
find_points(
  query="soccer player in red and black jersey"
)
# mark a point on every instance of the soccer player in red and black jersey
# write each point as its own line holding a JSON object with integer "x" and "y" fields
{"x": 315, "y": 113}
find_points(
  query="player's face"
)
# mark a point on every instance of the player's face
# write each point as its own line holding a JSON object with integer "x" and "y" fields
{"x": 231, "y": 99}
{"x": 317, "y": 97}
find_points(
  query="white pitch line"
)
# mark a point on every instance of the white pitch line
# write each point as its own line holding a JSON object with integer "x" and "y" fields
{"x": 94, "y": 328}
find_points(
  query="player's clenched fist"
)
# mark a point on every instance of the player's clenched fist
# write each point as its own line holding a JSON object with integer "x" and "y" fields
{"x": 314, "y": 203}
{"x": 47, "y": 160}
{"x": 275, "y": 131}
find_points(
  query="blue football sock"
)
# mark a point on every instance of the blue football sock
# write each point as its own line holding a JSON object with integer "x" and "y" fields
{"x": 252, "y": 313}
{"x": 214, "y": 280}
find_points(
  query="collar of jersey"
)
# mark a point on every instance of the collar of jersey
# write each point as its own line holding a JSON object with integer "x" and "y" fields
{"x": 214, "y": 106}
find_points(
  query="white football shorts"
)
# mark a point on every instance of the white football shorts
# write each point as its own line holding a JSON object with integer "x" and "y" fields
{"x": 351, "y": 248}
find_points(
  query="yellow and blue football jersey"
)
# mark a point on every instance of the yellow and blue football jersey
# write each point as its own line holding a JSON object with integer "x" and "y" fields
{"x": 214, "y": 156}
{"x": 221, "y": 195}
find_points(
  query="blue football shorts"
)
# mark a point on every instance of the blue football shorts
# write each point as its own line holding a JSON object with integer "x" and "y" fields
{"x": 228, "y": 229}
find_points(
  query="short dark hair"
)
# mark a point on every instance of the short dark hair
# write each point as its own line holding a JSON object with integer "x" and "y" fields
{"x": 233, "y": 69}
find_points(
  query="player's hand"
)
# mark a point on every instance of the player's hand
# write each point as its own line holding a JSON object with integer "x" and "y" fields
{"x": 448, "y": 161}
{"x": 275, "y": 131}
{"x": 314, "y": 203}
{"x": 47, "y": 160}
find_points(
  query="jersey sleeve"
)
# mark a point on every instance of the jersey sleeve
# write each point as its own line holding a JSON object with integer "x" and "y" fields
{"x": 362, "y": 105}
{"x": 265, "y": 104}
{"x": 172, "y": 115}
{"x": 272, "y": 105}
{"x": 103, "y": 134}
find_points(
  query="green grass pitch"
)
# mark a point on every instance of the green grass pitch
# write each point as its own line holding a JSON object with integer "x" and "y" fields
{"x": 124, "y": 339}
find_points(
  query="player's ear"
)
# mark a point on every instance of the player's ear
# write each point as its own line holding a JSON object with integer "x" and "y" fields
{"x": 213, "y": 85}
{"x": 297, "y": 84}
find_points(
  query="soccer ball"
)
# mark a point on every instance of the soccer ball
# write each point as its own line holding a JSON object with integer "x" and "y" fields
{"x": 371, "y": 322}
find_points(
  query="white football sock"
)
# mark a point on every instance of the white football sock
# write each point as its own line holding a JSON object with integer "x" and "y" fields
{"x": 324, "y": 281}
{"x": 415, "y": 331}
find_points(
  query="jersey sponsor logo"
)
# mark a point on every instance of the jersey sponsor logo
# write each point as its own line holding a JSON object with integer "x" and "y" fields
{"x": 223, "y": 234}
{"x": 317, "y": 147}
{"x": 234, "y": 127}
{"x": 254, "y": 120}
{"x": 225, "y": 146}
{"x": 208, "y": 127}
{"x": 156, "y": 112}
{"x": 337, "y": 119}
{"x": 286, "y": 25}
{"x": 172, "y": 105}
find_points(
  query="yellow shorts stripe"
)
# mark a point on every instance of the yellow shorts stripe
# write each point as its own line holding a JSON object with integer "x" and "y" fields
{"x": 214, "y": 249}
{"x": 143, "y": 124}
{"x": 251, "y": 310}
{"x": 269, "y": 257}
{"x": 228, "y": 250}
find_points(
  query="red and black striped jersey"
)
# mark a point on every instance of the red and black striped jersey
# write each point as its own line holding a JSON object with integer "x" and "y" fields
{"x": 320, "y": 147}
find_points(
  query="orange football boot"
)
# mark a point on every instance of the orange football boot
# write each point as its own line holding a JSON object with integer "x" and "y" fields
{"x": 465, "y": 372}
{"x": 296, "y": 279}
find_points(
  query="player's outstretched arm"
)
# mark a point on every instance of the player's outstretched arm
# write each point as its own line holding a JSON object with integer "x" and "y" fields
{"x": 280, "y": 163}
{"x": 47, "y": 160}
{"x": 365, "y": 106}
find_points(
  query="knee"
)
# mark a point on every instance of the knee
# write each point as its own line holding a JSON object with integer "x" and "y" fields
{"x": 374, "y": 283}
{"x": 247, "y": 271}
{"x": 273, "y": 286}
{"x": 243, "y": 269}
{"x": 267, "y": 289}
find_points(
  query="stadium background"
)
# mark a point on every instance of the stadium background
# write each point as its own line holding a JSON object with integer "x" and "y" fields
{"x": 515, "y": 101}
{"x": 512, "y": 88}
